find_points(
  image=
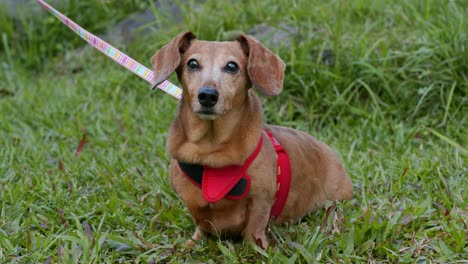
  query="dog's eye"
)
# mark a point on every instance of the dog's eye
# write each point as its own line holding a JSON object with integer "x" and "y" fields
{"x": 192, "y": 64}
{"x": 231, "y": 67}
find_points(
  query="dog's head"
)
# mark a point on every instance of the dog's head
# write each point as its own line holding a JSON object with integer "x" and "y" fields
{"x": 216, "y": 76}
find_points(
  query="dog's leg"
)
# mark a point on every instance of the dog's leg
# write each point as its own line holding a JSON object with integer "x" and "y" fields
{"x": 196, "y": 236}
{"x": 256, "y": 226}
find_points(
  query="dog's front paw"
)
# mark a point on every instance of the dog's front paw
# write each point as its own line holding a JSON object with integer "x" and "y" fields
{"x": 195, "y": 237}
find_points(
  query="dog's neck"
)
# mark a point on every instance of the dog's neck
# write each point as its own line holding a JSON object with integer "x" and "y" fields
{"x": 227, "y": 140}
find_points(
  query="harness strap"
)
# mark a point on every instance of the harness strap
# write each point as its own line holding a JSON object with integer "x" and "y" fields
{"x": 283, "y": 177}
{"x": 194, "y": 174}
{"x": 216, "y": 183}
{"x": 232, "y": 181}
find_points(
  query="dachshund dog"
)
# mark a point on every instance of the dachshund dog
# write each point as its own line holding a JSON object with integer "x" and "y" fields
{"x": 225, "y": 161}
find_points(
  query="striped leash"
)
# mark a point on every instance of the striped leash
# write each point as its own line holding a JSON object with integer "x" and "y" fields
{"x": 113, "y": 53}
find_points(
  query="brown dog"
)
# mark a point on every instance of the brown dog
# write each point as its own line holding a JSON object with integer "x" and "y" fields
{"x": 220, "y": 123}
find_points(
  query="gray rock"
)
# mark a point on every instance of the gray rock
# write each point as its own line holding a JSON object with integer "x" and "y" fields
{"x": 31, "y": 8}
{"x": 144, "y": 22}
{"x": 274, "y": 37}
{"x": 124, "y": 32}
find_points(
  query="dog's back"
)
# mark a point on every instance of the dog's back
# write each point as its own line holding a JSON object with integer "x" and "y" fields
{"x": 317, "y": 174}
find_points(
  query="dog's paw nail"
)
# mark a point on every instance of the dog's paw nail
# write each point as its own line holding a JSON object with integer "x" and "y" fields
{"x": 190, "y": 243}
{"x": 259, "y": 243}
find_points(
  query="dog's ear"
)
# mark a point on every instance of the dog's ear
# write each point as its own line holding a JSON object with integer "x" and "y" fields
{"x": 167, "y": 59}
{"x": 265, "y": 69}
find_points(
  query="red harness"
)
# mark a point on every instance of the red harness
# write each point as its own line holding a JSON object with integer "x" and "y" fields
{"x": 232, "y": 181}
{"x": 283, "y": 177}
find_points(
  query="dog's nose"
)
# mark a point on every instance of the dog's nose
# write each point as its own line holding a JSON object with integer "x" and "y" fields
{"x": 208, "y": 96}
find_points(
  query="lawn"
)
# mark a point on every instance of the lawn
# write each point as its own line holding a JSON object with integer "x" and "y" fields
{"x": 83, "y": 165}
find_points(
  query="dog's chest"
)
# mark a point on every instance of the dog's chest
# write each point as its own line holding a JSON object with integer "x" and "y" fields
{"x": 225, "y": 216}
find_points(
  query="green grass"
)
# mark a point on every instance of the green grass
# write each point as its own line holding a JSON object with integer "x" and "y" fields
{"x": 37, "y": 38}
{"x": 392, "y": 103}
